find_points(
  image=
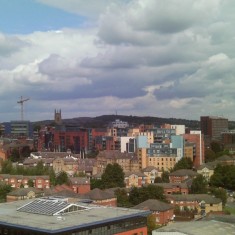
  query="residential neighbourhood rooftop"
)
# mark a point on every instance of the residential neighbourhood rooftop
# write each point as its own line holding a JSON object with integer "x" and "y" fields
{"x": 153, "y": 205}
{"x": 195, "y": 197}
{"x": 183, "y": 172}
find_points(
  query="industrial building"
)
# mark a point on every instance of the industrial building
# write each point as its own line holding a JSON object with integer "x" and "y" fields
{"x": 59, "y": 216}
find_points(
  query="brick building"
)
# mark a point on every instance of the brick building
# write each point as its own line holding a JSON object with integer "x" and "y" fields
{"x": 17, "y": 181}
{"x": 80, "y": 185}
{"x": 180, "y": 176}
{"x": 101, "y": 197}
{"x": 174, "y": 188}
{"x": 135, "y": 179}
{"x": 163, "y": 212}
{"x": 128, "y": 161}
{"x": 203, "y": 203}
{"x": 195, "y": 137}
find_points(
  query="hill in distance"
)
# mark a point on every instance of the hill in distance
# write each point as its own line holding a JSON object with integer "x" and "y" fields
{"x": 104, "y": 120}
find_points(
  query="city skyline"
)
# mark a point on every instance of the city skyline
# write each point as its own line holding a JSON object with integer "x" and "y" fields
{"x": 134, "y": 57}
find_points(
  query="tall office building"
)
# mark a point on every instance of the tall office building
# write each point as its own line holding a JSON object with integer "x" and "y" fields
{"x": 17, "y": 129}
{"x": 196, "y": 138}
{"x": 212, "y": 127}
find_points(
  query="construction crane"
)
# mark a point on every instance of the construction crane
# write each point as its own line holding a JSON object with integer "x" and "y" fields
{"x": 21, "y": 102}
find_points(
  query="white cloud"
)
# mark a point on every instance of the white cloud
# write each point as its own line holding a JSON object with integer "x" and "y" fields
{"x": 164, "y": 58}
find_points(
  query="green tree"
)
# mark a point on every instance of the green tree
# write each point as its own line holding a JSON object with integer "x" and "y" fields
{"x": 216, "y": 180}
{"x": 122, "y": 198}
{"x": 7, "y": 167}
{"x": 138, "y": 195}
{"x": 52, "y": 177}
{"x": 62, "y": 178}
{"x": 183, "y": 163}
{"x": 113, "y": 176}
{"x": 96, "y": 183}
{"x": 158, "y": 180}
{"x": 210, "y": 155}
{"x": 220, "y": 193}
{"x": 15, "y": 155}
{"x": 39, "y": 169}
{"x": 165, "y": 177}
{"x": 199, "y": 185}
{"x": 151, "y": 224}
{"x": 30, "y": 183}
{"x": 224, "y": 176}
{"x": 4, "y": 190}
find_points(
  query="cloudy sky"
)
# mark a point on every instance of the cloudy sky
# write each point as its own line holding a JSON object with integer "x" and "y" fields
{"x": 171, "y": 58}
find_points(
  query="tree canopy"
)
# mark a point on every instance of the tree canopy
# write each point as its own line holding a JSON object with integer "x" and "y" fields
{"x": 113, "y": 176}
{"x": 62, "y": 178}
{"x": 224, "y": 176}
{"x": 199, "y": 185}
{"x": 183, "y": 163}
{"x": 4, "y": 190}
{"x": 138, "y": 195}
{"x": 220, "y": 193}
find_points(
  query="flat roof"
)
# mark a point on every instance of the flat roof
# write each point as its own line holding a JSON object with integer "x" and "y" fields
{"x": 92, "y": 215}
{"x": 197, "y": 227}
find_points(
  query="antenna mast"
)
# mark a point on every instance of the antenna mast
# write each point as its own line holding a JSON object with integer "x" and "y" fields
{"x": 21, "y": 102}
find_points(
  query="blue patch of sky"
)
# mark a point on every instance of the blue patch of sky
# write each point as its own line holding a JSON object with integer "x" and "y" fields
{"x": 27, "y": 16}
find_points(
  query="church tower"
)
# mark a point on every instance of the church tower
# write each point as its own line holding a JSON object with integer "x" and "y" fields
{"x": 57, "y": 118}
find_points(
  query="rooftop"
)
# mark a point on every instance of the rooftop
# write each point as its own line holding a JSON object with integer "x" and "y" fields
{"x": 183, "y": 172}
{"x": 195, "y": 197}
{"x": 197, "y": 227}
{"x": 154, "y": 205}
{"x": 91, "y": 215}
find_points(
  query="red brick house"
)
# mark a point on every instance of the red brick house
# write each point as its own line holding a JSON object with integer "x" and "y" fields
{"x": 174, "y": 188}
{"x": 17, "y": 181}
{"x": 80, "y": 185}
{"x": 203, "y": 203}
{"x": 101, "y": 197}
{"x": 163, "y": 212}
{"x": 180, "y": 176}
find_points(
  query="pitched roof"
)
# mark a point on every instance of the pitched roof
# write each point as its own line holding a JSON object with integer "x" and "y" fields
{"x": 149, "y": 169}
{"x": 116, "y": 154}
{"x": 153, "y": 205}
{"x": 98, "y": 194}
{"x": 209, "y": 165}
{"x": 195, "y": 197}
{"x": 172, "y": 185}
{"x": 138, "y": 173}
{"x": 183, "y": 172}
{"x": 79, "y": 180}
{"x": 226, "y": 158}
{"x": 24, "y": 191}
